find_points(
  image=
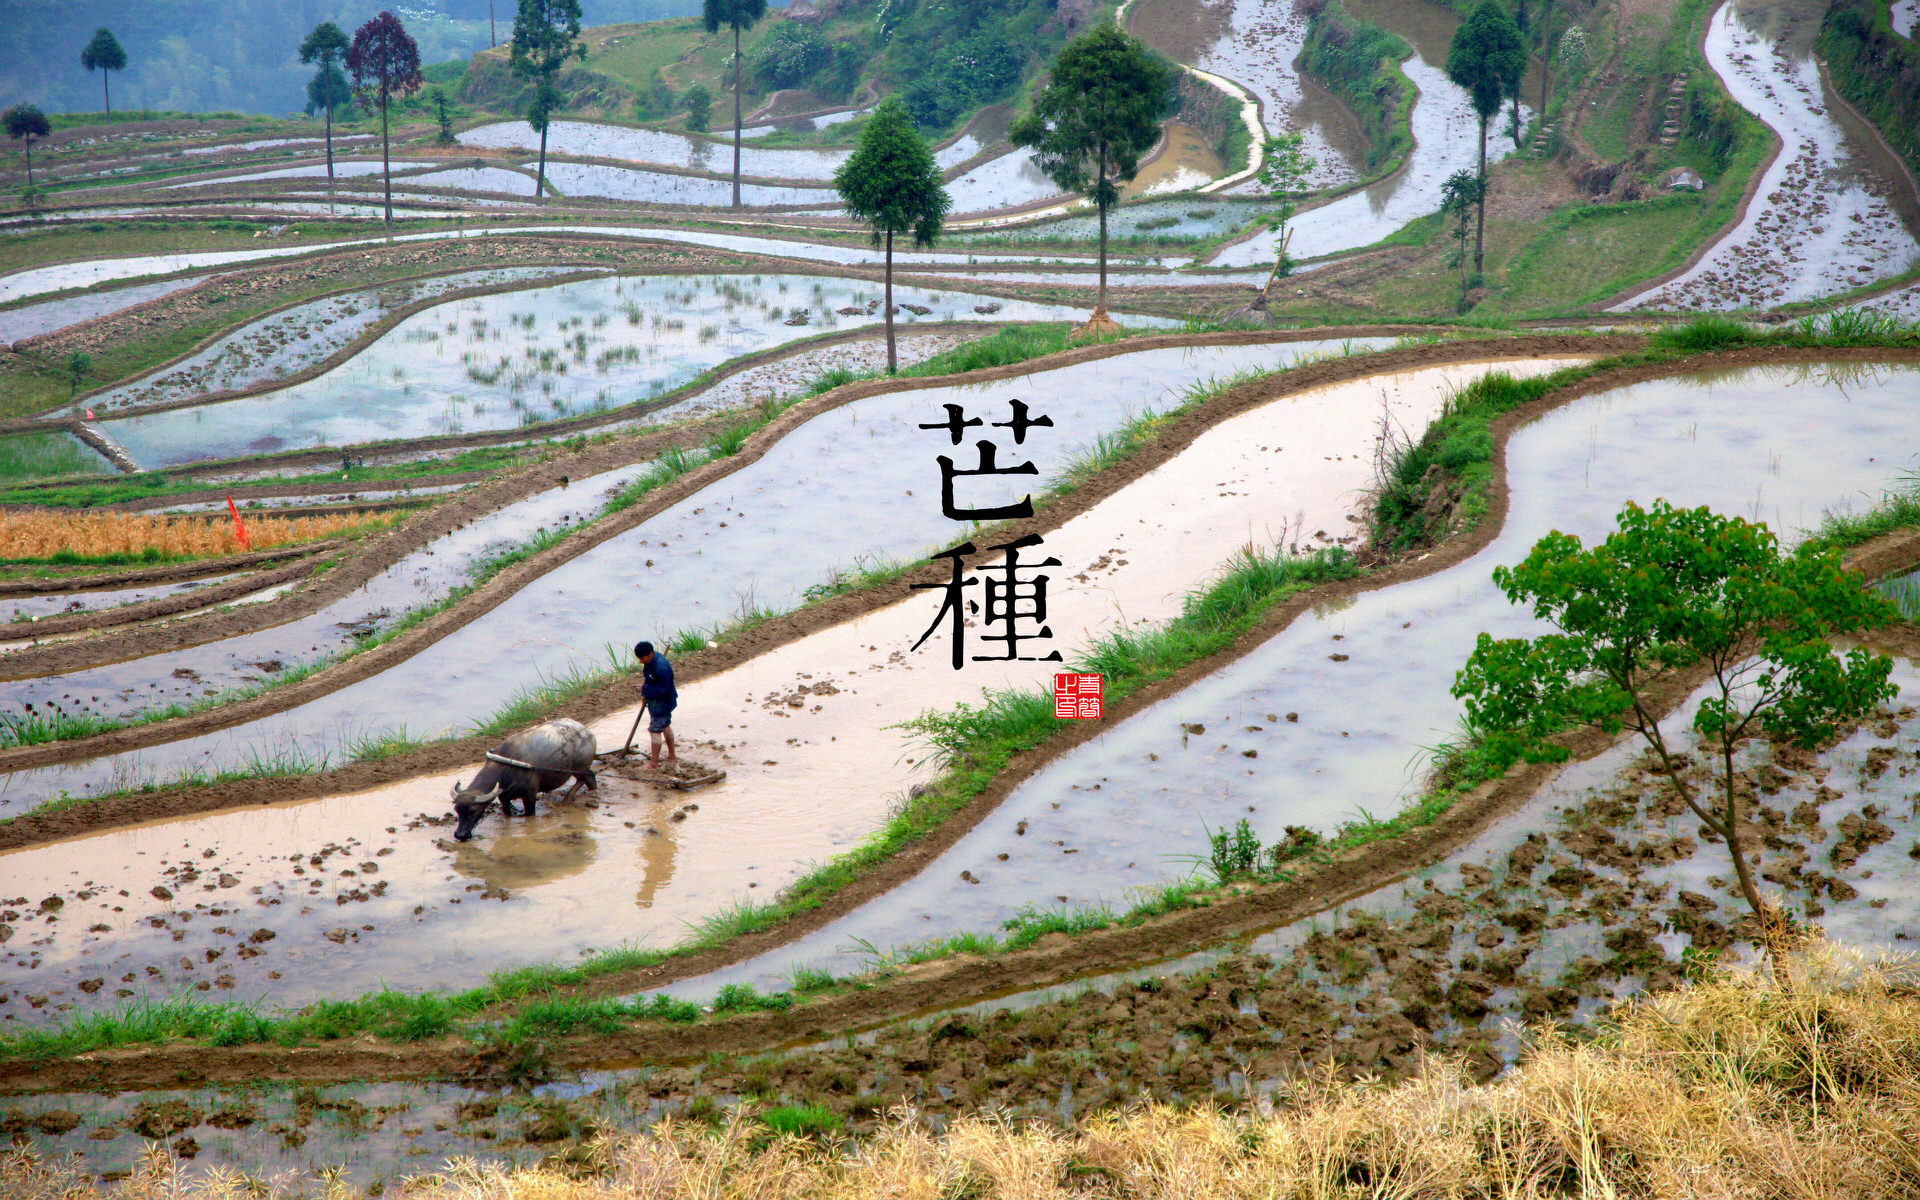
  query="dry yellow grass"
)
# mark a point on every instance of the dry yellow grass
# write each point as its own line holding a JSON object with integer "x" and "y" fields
{"x": 103, "y": 534}
{"x": 1737, "y": 1088}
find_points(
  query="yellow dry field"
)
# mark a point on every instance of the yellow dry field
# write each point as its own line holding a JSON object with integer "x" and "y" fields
{"x": 103, "y": 534}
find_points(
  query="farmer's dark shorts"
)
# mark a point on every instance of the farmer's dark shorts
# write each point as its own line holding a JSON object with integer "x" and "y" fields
{"x": 660, "y": 718}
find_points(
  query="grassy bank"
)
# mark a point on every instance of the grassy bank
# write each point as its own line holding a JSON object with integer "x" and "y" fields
{"x": 1360, "y": 63}
{"x": 1877, "y": 70}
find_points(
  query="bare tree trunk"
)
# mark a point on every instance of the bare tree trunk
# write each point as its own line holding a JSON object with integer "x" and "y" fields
{"x": 29, "y": 145}
{"x": 1100, "y": 307}
{"x": 386, "y": 158}
{"x": 1741, "y": 867}
{"x": 329, "y": 142}
{"x": 540, "y": 179}
{"x": 736, "y": 116}
{"x": 493, "y": 35}
{"x": 1480, "y": 222}
{"x": 104, "y": 93}
{"x": 1546, "y": 60}
{"x": 893, "y": 361}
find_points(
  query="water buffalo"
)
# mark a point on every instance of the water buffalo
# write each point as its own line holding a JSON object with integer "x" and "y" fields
{"x": 528, "y": 763}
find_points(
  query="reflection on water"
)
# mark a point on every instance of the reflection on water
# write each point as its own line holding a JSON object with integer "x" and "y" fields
{"x": 522, "y": 855}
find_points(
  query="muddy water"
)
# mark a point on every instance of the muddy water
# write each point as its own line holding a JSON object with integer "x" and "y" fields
{"x": 1327, "y": 719}
{"x": 517, "y": 358}
{"x": 24, "y": 608}
{"x": 804, "y": 733}
{"x": 846, "y": 486}
{"x": 1187, "y": 162}
{"x": 1822, "y": 221}
{"x": 1905, "y": 15}
{"x": 361, "y": 1134}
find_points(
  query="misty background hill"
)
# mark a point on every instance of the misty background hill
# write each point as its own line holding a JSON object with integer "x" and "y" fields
{"x": 238, "y": 55}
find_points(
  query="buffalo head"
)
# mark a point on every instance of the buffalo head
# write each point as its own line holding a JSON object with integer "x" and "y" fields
{"x": 470, "y": 806}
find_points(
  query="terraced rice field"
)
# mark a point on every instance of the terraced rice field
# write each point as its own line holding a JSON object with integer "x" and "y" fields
{"x": 537, "y": 433}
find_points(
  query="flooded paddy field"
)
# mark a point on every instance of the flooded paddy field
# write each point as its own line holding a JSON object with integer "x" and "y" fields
{"x": 661, "y": 187}
{"x": 342, "y": 169}
{"x": 581, "y": 139}
{"x": 19, "y": 609}
{"x": 297, "y": 338}
{"x": 35, "y": 281}
{"x": 518, "y": 358}
{"x": 1598, "y": 888}
{"x": 32, "y": 320}
{"x": 1179, "y": 217}
{"x": 1446, "y": 137}
{"x": 803, "y": 732}
{"x": 1824, "y": 219}
{"x": 845, "y": 487}
{"x": 1337, "y": 706}
{"x": 1257, "y": 50}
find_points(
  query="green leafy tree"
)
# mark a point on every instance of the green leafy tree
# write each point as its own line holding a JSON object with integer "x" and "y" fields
{"x": 1675, "y": 588}
{"x": 1097, "y": 116}
{"x": 699, "y": 105}
{"x": 1284, "y": 171}
{"x": 327, "y": 90}
{"x": 891, "y": 183}
{"x": 384, "y": 62}
{"x": 546, "y": 33}
{"x": 1486, "y": 58}
{"x": 104, "y": 53}
{"x": 25, "y": 123}
{"x": 78, "y": 364}
{"x": 737, "y": 15}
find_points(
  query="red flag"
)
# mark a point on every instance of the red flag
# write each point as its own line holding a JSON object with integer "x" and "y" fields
{"x": 89, "y": 414}
{"x": 239, "y": 529}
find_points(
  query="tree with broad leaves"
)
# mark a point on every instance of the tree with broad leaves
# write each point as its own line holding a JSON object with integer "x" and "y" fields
{"x": 327, "y": 90}
{"x": 891, "y": 183}
{"x": 1677, "y": 588}
{"x": 26, "y": 122}
{"x": 1486, "y": 58}
{"x": 1284, "y": 168}
{"x": 104, "y": 53}
{"x": 546, "y": 33}
{"x": 1098, "y": 115}
{"x": 738, "y": 14}
{"x": 384, "y": 62}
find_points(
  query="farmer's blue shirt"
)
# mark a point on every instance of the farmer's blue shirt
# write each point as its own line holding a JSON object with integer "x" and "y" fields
{"x": 656, "y": 683}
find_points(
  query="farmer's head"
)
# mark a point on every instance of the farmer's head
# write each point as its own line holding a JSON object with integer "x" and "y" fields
{"x": 643, "y": 651}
